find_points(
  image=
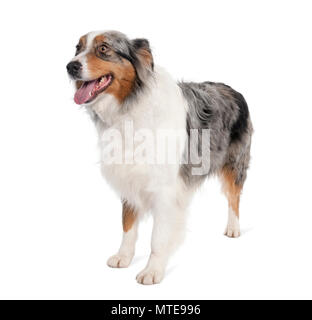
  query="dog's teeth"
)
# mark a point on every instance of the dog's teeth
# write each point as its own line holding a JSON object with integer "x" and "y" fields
{"x": 90, "y": 94}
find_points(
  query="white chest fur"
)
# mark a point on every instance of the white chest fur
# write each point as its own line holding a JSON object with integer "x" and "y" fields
{"x": 160, "y": 106}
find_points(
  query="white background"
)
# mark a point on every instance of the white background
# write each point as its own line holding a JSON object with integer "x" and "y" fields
{"x": 59, "y": 221}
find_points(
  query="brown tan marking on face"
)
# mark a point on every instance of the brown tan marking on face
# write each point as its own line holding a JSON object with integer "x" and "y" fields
{"x": 231, "y": 189}
{"x": 99, "y": 39}
{"x": 81, "y": 44}
{"x": 123, "y": 75}
{"x": 121, "y": 69}
{"x": 128, "y": 216}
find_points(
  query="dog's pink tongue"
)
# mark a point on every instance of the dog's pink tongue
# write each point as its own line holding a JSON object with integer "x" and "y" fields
{"x": 83, "y": 94}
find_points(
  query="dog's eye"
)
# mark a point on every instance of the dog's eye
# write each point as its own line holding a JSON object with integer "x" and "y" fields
{"x": 103, "y": 48}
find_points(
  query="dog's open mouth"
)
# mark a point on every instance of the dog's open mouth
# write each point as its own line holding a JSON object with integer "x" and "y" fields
{"x": 90, "y": 89}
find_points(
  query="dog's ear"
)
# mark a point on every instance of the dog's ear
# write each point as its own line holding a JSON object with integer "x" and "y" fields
{"x": 143, "y": 53}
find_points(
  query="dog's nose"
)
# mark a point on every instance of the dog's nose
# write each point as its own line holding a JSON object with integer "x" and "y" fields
{"x": 73, "y": 68}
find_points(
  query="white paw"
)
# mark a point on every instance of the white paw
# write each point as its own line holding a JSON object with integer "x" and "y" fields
{"x": 119, "y": 261}
{"x": 150, "y": 276}
{"x": 232, "y": 231}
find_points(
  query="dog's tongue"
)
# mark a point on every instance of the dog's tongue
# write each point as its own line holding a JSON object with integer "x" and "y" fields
{"x": 83, "y": 94}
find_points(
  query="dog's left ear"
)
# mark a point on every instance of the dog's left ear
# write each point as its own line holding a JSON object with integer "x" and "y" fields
{"x": 144, "y": 53}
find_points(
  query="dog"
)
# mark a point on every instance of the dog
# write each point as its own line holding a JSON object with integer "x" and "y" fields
{"x": 117, "y": 82}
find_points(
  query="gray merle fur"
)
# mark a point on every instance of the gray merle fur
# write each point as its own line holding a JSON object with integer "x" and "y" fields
{"x": 224, "y": 111}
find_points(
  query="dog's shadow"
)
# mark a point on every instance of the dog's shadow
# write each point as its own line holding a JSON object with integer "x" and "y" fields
{"x": 244, "y": 231}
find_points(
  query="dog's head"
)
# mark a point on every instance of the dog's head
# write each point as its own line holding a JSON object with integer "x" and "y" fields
{"x": 109, "y": 63}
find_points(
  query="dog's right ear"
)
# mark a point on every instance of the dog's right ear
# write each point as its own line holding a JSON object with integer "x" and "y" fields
{"x": 144, "y": 53}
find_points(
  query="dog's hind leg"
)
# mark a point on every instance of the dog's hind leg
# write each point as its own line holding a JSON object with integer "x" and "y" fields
{"x": 233, "y": 176}
{"x": 130, "y": 230}
{"x": 232, "y": 191}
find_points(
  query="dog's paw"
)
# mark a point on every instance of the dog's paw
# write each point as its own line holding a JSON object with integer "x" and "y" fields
{"x": 150, "y": 276}
{"x": 119, "y": 261}
{"x": 232, "y": 231}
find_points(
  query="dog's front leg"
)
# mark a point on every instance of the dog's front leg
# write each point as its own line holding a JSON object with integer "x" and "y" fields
{"x": 168, "y": 230}
{"x": 130, "y": 231}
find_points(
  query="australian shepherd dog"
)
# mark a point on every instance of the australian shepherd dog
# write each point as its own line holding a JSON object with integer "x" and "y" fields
{"x": 159, "y": 140}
